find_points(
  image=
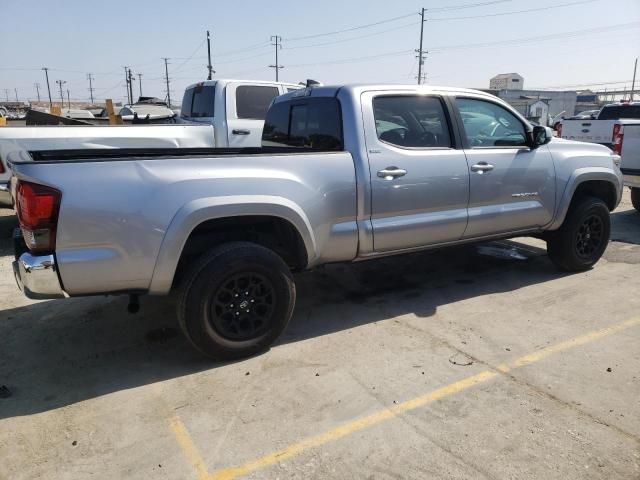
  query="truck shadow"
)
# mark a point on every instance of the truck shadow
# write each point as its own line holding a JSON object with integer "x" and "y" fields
{"x": 625, "y": 226}
{"x": 57, "y": 353}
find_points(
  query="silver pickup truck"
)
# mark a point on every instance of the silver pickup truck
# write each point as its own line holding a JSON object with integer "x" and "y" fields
{"x": 345, "y": 173}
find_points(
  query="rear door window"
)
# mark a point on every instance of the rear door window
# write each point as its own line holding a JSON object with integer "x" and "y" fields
{"x": 203, "y": 101}
{"x": 252, "y": 101}
{"x": 414, "y": 121}
{"x": 311, "y": 123}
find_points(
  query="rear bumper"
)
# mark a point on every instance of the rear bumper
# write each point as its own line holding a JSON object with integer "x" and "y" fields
{"x": 37, "y": 276}
{"x": 5, "y": 195}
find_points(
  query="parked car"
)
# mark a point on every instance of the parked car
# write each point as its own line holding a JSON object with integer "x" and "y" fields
{"x": 346, "y": 173}
{"x": 90, "y": 137}
{"x": 235, "y": 108}
{"x": 587, "y": 114}
{"x": 601, "y": 129}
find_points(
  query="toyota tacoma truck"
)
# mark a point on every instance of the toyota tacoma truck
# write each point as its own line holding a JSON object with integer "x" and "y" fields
{"x": 345, "y": 173}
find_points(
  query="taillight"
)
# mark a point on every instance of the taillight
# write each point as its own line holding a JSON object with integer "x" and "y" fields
{"x": 1, "y": 166}
{"x": 559, "y": 130}
{"x": 37, "y": 208}
{"x": 618, "y": 137}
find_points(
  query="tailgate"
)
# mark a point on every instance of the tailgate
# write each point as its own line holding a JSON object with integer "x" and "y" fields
{"x": 592, "y": 131}
{"x": 631, "y": 150}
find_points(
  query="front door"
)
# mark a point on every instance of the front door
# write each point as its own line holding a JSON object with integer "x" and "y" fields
{"x": 512, "y": 187}
{"x": 419, "y": 182}
{"x": 247, "y": 107}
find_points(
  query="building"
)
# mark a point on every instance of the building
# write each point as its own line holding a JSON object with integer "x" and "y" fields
{"x": 533, "y": 108}
{"x": 560, "y": 103}
{"x": 507, "y": 81}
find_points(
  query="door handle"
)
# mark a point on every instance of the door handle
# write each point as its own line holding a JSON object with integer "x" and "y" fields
{"x": 236, "y": 131}
{"x": 482, "y": 167}
{"x": 390, "y": 173}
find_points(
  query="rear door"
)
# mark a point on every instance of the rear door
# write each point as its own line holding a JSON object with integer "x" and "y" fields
{"x": 512, "y": 187}
{"x": 247, "y": 106}
{"x": 419, "y": 180}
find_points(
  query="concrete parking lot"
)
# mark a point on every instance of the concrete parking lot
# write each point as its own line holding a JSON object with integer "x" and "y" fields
{"x": 475, "y": 362}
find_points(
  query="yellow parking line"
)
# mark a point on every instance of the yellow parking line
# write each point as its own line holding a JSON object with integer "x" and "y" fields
{"x": 188, "y": 447}
{"x": 391, "y": 412}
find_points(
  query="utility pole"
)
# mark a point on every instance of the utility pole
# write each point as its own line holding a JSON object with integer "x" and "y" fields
{"x": 209, "y": 66}
{"x": 46, "y": 72}
{"x": 126, "y": 84}
{"x": 90, "y": 78}
{"x": 6, "y": 93}
{"x": 16, "y": 90}
{"x": 37, "y": 85}
{"x": 60, "y": 83}
{"x": 633, "y": 82}
{"x": 166, "y": 76}
{"x": 140, "y": 82}
{"x": 130, "y": 77}
{"x": 420, "y": 51}
{"x": 68, "y": 100}
{"x": 276, "y": 42}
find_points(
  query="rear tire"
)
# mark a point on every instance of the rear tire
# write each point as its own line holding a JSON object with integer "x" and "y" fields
{"x": 236, "y": 300}
{"x": 583, "y": 237}
{"x": 635, "y": 198}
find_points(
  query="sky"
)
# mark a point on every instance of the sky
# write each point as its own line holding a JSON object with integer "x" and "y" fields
{"x": 555, "y": 44}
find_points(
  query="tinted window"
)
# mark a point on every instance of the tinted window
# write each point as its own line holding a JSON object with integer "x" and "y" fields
{"x": 312, "y": 123}
{"x": 203, "y": 101}
{"x": 253, "y": 101}
{"x": 185, "y": 110}
{"x": 489, "y": 125}
{"x": 619, "y": 111}
{"x": 411, "y": 121}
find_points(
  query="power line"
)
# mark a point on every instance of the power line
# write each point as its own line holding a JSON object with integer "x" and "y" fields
{"x": 466, "y": 5}
{"x": 353, "y": 59}
{"x": 436, "y": 19}
{"x": 191, "y": 56}
{"x": 333, "y": 42}
{"x": 359, "y": 27}
{"x": 553, "y": 36}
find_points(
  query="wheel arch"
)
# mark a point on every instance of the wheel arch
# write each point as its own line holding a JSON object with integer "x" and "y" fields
{"x": 600, "y": 183}
{"x": 204, "y": 215}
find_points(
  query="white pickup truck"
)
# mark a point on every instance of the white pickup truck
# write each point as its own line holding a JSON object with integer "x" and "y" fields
{"x": 604, "y": 127}
{"x": 235, "y": 108}
{"x": 617, "y": 126}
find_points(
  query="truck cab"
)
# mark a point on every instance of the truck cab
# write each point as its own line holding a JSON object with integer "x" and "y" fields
{"x": 235, "y": 108}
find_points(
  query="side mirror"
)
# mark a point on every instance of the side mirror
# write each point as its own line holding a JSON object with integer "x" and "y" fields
{"x": 541, "y": 136}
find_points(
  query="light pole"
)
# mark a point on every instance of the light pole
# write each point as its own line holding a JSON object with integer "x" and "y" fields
{"x": 60, "y": 84}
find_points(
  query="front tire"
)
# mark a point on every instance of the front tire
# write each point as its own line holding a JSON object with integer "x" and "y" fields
{"x": 236, "y": 300}
{"x": 583, "y": 237}
{"x": 635, "y": 198}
